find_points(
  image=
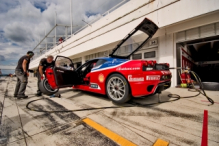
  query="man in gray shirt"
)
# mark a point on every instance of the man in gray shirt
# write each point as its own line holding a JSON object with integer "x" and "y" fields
{"x": 22, "y": 74}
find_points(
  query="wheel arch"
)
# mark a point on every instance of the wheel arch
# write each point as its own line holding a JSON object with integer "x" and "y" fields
{"x": 130, "y": 90}
{"x": 44, "y": 90}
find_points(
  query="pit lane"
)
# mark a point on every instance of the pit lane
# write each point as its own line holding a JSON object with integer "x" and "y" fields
{"x": 178, "y": 123}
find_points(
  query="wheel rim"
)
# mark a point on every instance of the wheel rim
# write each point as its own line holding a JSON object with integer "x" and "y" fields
{"x": 48, "y": 87}
{"x": 116, "y": 88}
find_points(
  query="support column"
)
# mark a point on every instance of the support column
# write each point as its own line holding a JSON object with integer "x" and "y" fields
{"x": 83, "y": 59}
{"x": 55, "y": 27}
{"x": 46, "y": 46}
{"x": 71, "y": 15}
{"x": 66, "y": 32}
{"x": 167, "y": 55}
{"x": 54, "y": 41}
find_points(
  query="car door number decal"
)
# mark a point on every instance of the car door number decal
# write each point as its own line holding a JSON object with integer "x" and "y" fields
{"x": 94, "y": 86}
{"x": 153, "y": 77}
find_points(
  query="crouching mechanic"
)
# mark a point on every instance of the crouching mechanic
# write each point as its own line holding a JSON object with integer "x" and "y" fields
{"x": 22, "y": 74}
{"x": 44, "y": 63}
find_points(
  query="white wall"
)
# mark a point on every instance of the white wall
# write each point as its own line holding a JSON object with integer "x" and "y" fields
{"x": 167, "y": 53}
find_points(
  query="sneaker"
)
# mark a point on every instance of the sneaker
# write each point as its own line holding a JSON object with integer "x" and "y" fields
{"x": 38, "y": 94}
{"x": 22, "y": 96}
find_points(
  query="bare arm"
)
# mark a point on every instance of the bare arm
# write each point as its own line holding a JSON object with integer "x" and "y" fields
{"x": 24, "y": 65}
{"x": 41, "y": 70}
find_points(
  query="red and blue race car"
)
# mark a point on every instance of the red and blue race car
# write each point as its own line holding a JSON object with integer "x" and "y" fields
{"x": 116, "y": 76}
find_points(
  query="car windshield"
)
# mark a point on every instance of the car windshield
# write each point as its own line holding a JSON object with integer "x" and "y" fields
{"x": 131, "y": 44}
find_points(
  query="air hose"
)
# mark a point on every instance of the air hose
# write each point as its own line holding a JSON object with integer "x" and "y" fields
{"x": 134, "y": 104}
{"x": 131, "y": 104}
{"x": 201, "y": 90}
{"x": 77, "y": 110}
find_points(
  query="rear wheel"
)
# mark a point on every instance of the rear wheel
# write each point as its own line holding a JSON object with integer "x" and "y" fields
{"x": 46, "y": 88}
{"x": 117, "y": 89}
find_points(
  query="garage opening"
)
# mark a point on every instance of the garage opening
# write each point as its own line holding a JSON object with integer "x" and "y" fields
{"x": 202, "y": 56}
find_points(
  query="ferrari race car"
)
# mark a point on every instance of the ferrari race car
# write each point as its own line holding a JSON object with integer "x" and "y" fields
{"x": 115, "y": 76}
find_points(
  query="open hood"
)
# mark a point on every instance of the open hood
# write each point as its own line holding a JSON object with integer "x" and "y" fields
{"x": 129, "y": 45}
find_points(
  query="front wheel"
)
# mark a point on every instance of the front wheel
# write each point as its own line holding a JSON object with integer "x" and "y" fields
{"x": 46, "y": 88}
{"x": 117, "y": 89}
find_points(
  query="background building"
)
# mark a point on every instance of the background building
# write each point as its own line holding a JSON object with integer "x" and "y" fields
{"x": 188, "y": 35}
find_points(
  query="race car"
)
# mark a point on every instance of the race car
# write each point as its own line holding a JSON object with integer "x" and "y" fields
{"x": 116, "y": 76}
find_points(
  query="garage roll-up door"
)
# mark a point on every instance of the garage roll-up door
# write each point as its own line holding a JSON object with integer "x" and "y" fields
{"x": 199, "y": 32}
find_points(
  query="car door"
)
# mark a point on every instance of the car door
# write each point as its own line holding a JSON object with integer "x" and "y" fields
{"x": 65, "y": 73}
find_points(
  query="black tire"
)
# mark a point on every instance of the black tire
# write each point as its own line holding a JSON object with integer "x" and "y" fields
{"x": 212, "y": 86}
{"x": 46, "y": 89}
{"x": 114, "y": 93}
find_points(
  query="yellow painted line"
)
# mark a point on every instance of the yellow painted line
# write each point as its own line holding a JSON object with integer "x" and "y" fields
{"x": 115, "y": 137}
{"x": 161, "y": 142}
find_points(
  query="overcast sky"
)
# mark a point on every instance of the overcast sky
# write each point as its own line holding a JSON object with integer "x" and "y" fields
{"x": 24, "y": 22}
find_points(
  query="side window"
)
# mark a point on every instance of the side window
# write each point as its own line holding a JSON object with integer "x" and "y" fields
{"x": 64, "y": 62}
{"x": 100, "y": 62}
{"x": 137, "y": 56}
{"x": 85, "y": 66}
{"x": 151, "y": 54}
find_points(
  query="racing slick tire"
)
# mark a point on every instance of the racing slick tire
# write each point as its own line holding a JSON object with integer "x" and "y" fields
{"x": 45, "y": 88}
{"x": 117, "y": 89}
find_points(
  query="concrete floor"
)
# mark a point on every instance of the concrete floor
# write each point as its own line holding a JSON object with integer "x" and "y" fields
{"x": 179, "y": 122}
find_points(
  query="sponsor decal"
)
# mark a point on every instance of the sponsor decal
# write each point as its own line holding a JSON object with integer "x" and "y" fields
{"x": 165, "y": 72}
{"x": 114, "y": 60}
{"x": 101, "y": 78}
{"x": 128, "y": 68}
{"x": 135, "y": 79}
{"x": 153, "y": 77}
{"x": 109, "y": 65}
{"x": 149, "y": 68}
{"x": 94, "y": 86}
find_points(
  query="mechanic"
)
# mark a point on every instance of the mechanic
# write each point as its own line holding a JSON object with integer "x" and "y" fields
{"x": 22, "y": 74}
{"x": 44, "y": 63}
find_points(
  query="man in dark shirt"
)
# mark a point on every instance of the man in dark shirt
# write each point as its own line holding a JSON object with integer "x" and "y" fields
{"x": 22, "y": 74}
{"x": 44, "y": 63}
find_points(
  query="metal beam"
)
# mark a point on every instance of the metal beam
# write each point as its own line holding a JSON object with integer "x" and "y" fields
{"x": 202, "y": 42}
{"x": 66, "y": 32}
{"x": 44, "y": 37}
{"x": 86, "y": 23}
{"x": 56, "y": 36}
{"x": 55, "y": 28}
{"x": 64, "y": 25}
{"x": 71, "y": 15}
{"x": 46, "y": 43}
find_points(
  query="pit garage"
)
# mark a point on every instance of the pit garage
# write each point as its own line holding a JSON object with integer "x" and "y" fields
{"x": 198, "y": 49}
